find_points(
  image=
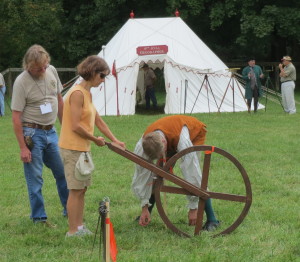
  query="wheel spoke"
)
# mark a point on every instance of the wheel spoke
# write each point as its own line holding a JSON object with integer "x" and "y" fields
{"x": 206, "y": 167}
{"x": 175, "y": 190}
{"x": 229, "y": 197}
{"x": 204, "y": 182}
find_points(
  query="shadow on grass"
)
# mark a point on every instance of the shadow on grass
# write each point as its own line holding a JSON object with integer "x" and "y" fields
{"x": 141, "y": 110}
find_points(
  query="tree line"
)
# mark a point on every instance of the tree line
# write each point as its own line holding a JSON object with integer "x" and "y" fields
{"x": 72, "y": 30}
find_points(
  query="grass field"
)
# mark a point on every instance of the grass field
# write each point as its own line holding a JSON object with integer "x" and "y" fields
{"x": 267, "y": 145}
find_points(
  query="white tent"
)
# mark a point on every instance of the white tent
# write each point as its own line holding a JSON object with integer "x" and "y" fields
{"x": 196, "y": 80}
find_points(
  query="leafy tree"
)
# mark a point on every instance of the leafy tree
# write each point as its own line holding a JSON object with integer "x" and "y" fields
{"x": 266, "y": 28}
{"x": 27, "y": 22}
{"x": 233, "y": 29}
{"x": 89, "y": 25}
{"x": 71, "y": 30}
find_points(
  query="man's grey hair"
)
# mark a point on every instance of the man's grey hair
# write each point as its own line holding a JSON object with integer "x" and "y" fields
{"x": 35, "y": 54}
{"x": 153, "y": 145}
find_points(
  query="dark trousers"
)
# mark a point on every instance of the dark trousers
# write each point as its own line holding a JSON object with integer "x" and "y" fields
{"x": 255, "y": 96}
{"x": 150, "y": 95}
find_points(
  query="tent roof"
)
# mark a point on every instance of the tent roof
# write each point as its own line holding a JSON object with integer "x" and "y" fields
{"x": 185, "y": 48}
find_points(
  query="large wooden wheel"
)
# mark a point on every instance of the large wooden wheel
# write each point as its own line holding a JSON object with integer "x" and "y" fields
{"x": 226, "y": 166}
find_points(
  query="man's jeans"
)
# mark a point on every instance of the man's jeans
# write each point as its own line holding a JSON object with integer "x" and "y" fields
{"x": 2, "y": 101}
{"x": 150, "y": 95}
{"x": 45, "y": 150}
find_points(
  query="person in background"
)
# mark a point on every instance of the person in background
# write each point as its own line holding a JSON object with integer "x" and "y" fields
{"x": 2, "y": 95}
{"x": 36, "y": 102}
{"x": 287, "y": 78}
{"x": 166, "y": 137}
{"x": 149, "y": 81}
{"x": 77, "y": 133}
{"x": 252, "y": 74}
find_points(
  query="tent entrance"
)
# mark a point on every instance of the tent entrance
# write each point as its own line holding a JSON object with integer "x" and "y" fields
{"x": 160, "y": 91}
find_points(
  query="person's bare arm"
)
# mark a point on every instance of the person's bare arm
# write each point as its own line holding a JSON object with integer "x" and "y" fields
{"x": 25, "y": 153}
{"x": 103, "y": 127}
{"x": 60, "y": 107}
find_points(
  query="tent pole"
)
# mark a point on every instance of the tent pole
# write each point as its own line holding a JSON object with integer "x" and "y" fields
{"x": 103, "y": 48}
{"x": 211, "y": 92}
{"x": 233, "y": 96}
{"x": 118, "y": 110}
{"x": 115, "y": 74}
{"x": 104, "y": 99}
{"x": 225, "y": 92}
{"x": 180, "y": 96}
{"x": 185, "y": 94}
{"x": 198, "y": 94}
{"x": 207, "y": 95}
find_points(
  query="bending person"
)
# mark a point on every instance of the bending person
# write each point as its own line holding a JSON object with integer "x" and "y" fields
{"x": 166, "y": 137}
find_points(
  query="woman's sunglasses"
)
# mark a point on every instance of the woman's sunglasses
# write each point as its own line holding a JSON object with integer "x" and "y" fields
{"x": 102, "y": 75}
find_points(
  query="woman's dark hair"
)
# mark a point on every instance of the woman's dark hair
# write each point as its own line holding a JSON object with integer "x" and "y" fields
{"x": 91, "y": 66}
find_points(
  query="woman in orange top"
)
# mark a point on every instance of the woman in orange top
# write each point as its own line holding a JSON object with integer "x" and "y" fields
{"x": 79, "y": 119}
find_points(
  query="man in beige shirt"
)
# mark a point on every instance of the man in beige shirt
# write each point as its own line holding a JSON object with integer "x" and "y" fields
{"x": 36, "y": 102}
{"x": 287, "y": 78}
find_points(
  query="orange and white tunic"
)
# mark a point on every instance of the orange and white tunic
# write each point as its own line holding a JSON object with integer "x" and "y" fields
{"x": 180, "y": 132}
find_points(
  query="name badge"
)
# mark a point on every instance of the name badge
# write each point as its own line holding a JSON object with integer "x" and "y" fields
{"x": 46, "y": 108}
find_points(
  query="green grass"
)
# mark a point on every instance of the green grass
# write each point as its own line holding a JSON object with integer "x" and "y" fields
{"x": 267, "y": 145}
